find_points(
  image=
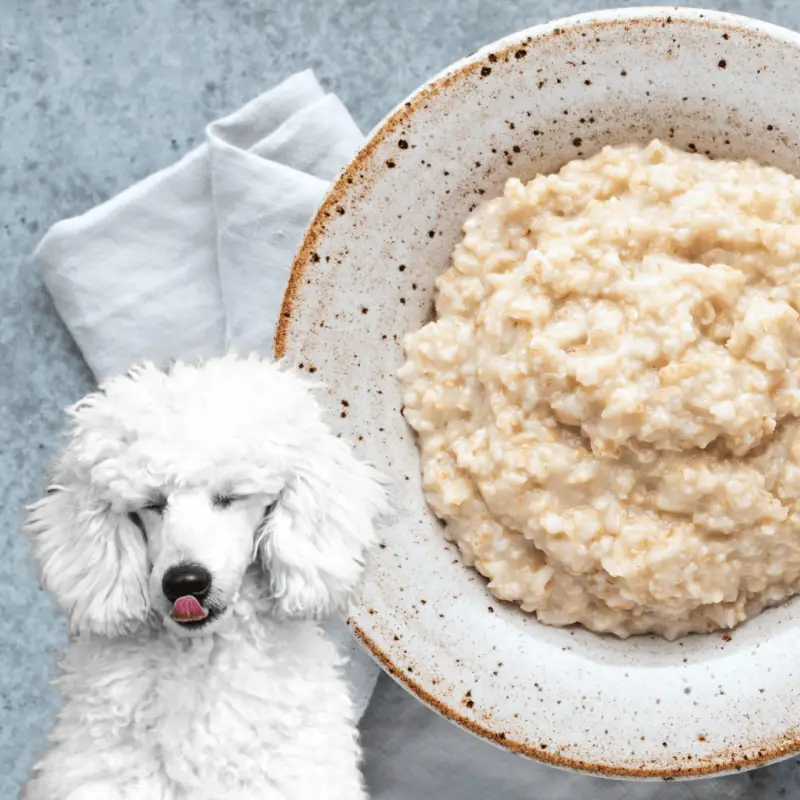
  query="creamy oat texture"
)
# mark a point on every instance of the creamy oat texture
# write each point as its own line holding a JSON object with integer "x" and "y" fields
{"x": 607, "y": 400}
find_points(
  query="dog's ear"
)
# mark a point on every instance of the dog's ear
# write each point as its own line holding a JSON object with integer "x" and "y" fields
{"x": 92, "y": 558}
{"x": 90, "y": 555}
{"x": 320, "y": 530}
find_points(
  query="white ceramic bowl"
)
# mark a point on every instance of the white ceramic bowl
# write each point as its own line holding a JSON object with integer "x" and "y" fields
{"x": 644, "y": 707}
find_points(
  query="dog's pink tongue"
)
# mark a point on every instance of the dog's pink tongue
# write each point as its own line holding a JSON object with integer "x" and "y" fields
{"x": 187, "y": 609}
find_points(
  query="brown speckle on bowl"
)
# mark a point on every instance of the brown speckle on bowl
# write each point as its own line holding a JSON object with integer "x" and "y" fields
{"x": 486, "y": 71}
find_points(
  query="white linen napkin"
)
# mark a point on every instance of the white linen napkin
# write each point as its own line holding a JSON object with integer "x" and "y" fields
{"x": 194, "y": 259}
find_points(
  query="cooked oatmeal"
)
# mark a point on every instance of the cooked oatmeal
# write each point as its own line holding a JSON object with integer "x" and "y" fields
{"x": 606, "y": 402}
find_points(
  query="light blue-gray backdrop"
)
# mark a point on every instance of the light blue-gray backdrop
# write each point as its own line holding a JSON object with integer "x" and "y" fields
{"x": 97, "y": 94}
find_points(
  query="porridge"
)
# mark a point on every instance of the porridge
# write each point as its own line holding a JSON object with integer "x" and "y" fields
{"x": 607, "y": 401}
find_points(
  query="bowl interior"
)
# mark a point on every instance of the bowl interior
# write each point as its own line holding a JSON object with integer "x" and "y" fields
{"x": 701, "y": 81}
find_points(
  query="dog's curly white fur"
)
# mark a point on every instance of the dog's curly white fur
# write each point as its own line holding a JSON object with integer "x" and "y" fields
{"x": 229, "y": 466}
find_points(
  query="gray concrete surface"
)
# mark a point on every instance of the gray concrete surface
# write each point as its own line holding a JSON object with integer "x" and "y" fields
{"x": 94, "y": 96}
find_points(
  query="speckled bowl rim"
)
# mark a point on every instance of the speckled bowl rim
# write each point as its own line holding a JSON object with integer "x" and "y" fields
{"x": 348, "y": 180}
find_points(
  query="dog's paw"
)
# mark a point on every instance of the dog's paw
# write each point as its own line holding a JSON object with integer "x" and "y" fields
{"x": 95, "y": 791}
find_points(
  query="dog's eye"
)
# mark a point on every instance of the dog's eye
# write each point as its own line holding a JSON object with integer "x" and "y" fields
{"x": 226, "y": 500}
{"x": 157, "y": 504}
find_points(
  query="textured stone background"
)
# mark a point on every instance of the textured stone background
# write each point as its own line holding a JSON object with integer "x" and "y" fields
{"x": 98, "y": 94}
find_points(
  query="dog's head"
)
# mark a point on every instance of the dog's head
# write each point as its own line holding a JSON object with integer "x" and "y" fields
{"x": 175, "y": 483}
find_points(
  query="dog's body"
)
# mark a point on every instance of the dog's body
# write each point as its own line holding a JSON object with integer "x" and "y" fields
{"x": 237, "y": 695}
{"x": 256, "y": 711}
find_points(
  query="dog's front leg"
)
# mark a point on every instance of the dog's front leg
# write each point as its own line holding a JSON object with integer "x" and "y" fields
{"x": 95, "y": 791}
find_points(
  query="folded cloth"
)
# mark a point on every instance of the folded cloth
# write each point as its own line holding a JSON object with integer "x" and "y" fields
{"x": 193, "y": 260}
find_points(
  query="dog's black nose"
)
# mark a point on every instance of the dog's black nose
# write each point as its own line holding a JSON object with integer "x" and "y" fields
{"x": 184, "y": 580}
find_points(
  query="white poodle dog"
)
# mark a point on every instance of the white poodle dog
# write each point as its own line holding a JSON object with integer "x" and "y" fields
{"x": 200, "y": 522}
